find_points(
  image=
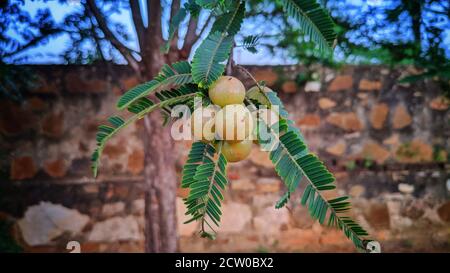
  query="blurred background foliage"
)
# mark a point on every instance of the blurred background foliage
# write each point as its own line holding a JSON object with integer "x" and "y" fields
{"x": 391, "y": 32}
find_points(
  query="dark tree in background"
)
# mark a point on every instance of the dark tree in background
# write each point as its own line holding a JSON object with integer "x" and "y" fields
{"x": 397, "y": 31}
{"x": 391, "y": 32}
{"x": 91, "y": 23}
{"x": 404, "y": 32}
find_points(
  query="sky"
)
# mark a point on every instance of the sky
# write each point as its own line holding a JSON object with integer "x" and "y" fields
{"x": 48, "y": 54}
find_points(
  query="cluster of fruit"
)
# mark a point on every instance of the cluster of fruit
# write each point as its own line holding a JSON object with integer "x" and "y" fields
{"x": 227, "y": 121}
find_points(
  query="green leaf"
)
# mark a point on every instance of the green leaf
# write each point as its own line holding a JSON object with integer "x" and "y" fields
{"x": 215, "y": 5}
{"x": 140, "y": 105}
{"x": 139, "y": 109}
{"x": 292, "y": 161}
{"x": 209, "y": 59}
{"x": 250, "y": 43}
{"x": 266, "y": 96}
{"x": 207, "y": 65}
{"x": 230, "y": 22}
{"x": 178, "y": 74}
{"x": 283, "y": 200}
{"x": 181, "y": 95}
{"x": 205, "y": 175}
{"x": 193, "y": 8}
{"x": 314, "y": 21}
{"x": 207, "y": 4}
{"x": 197, "y": 156}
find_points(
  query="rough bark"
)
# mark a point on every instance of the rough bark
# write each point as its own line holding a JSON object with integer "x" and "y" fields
{"x": 160, "y": 177}
{"x": 161, "y": 185}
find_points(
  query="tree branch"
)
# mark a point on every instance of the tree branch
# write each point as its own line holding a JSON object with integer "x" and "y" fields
{"x": 174, "y": 8}
{"x": 230, "y": 64}
{"x": 154, "y": 19}
{"x": 190, "y": 35}
{"x": 102, "y": 24}
{"x": 34, "y": 42}
{"x": 137, "y": 21}
{"x": 437, "y": 11}
{"x": 94, "y": 34}
{"x": 153, "y": 41}
{"x": 189, "y": 42}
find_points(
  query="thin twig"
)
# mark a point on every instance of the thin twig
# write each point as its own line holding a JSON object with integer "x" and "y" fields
{"x": 109, "y": 35}
{"x": 243, "y": 69}
{"x": 204, "y": 27}
{"x": 230, "y": 63}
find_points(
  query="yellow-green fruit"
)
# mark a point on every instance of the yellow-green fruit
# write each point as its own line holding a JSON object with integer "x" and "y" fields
{"x": 203, "y": 123}
{"x": 235, "y": 152}
{"x": 227, "y": 90}
{"x": 265, "y": 89}
{"x": 255, "y": 94}
{"x": 234, "y": 123}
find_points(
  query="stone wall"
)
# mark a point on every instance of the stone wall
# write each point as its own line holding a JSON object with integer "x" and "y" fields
{"x": 386, "y": 143}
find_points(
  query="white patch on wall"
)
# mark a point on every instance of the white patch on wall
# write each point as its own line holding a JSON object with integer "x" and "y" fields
{"x": 44, "y": 222}
{"x": 312, "y": 87}
{"x": 116, "y": 229}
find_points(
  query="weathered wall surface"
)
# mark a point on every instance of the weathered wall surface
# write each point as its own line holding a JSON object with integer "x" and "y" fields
{"x": 386, "y": 143}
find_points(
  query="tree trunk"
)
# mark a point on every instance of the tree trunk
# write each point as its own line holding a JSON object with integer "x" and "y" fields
{"x": 159, "y": 173}
{"x": 161, "y": 185}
